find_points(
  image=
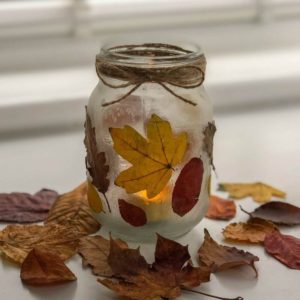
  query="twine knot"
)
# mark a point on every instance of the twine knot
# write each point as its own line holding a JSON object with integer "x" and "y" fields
{"x": 187, "y": 74}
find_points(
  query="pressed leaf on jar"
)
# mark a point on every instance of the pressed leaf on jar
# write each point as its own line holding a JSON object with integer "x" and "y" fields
{"x": 132, "y": 214}
{"x": 188, "y": 187}
{"x": 152, "y": 159}
{"x": 208, "y": 141}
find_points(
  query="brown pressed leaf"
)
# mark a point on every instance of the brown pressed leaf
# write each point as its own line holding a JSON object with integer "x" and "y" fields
{"x": 94, "y": 251}
{"x": 277, "y": 212}
{"x": 208, "y": 142}
{"x": 71, "y": 209}
{"x": 187, "y": 187}
{"x": 95, "y": 161}
{"x": 220, "y": 209}
{"x": 136, "y": 279}
{"x": 26, "y": 208}
{"x": 132, "y": 214}
{"x": 254, "y": 231}
{"x": 285, "y": 248}
{"x": 45, "y": 268}
{"x": 16, "y": 241}
{"x": 220, "y": 258}
{"x": 260, "y": 192}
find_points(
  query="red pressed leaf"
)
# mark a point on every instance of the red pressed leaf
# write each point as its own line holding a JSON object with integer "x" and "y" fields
{"x": 220, "y": 209}
{"x": 187, "y": 187}
{"x": 132, "y": 214}
{"x": 278, "y": 213}
{"x": 26, "y": 208}
{"x": 285, "y": 248}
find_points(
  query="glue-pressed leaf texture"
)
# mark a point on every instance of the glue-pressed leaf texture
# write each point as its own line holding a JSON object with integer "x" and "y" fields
{"x": 187, "y": 187}
{"x": 95, "y": 161}
{"x": 26, "y": 208}
{"x": 72, "y": 209}
{"x": 132, "y": 214}
{"x": 152, "y": 159}
{"x": 254, "y": 231}
{"x": 285, "y": 248}
{"x": 94, "y": 199}
{"x": 220, "y": 209}
{"x": 278, "y": 212}
{"x": 260, "y": 192}
{"x": 16, "y": 241}
{"x": 42, "y": 267}
{"x": 208, "y": 142}
{"x": 220, "y": 258}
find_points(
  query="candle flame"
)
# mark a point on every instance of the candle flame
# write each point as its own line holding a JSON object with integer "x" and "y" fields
{"x": 162, "y": 196}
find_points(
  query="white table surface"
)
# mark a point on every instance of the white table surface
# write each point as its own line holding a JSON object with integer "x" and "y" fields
{"x": 250, "y": 146}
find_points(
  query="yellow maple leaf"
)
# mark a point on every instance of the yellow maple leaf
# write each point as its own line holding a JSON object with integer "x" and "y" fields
{"x": 152, "y": 160}
{"x": 260, "y": 192}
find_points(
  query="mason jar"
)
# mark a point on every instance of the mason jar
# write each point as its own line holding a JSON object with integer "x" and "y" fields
{"x": 149, "y": 138}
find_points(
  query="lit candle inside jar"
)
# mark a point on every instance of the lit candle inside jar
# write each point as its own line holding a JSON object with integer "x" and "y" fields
{"x": 158, "y": 207}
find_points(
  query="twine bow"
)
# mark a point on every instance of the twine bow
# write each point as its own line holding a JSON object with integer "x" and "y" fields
{"x": 188, "y": 75}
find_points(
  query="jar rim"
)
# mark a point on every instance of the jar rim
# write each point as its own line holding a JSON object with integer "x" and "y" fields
{"x": 150, "y": 54}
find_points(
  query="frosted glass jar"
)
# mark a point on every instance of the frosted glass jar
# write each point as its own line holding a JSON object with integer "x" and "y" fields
{"x": 149, "y": 136}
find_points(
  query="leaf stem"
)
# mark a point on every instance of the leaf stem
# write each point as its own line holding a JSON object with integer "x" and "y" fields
{"x": 107, "y": 202}
{"x": 212, "y": 296}
{"x": 241, "y": 208}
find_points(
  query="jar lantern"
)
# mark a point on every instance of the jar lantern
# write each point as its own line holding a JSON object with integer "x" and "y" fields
{"x": 149, "y": 137}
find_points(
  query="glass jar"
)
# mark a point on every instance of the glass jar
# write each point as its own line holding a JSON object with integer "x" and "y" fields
{"x": 149, "y": 137}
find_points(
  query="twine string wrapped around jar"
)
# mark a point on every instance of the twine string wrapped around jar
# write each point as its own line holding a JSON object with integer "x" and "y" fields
{"x": 186, "y": 76}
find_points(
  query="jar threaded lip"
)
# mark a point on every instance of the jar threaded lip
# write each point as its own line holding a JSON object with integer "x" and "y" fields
{"x": 150, "y": 54}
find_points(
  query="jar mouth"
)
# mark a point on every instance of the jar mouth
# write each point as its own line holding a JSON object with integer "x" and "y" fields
{"x": 150, "y": 54}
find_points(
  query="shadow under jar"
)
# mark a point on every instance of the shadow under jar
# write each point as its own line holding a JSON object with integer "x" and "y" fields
{"x": 149, "y": 139}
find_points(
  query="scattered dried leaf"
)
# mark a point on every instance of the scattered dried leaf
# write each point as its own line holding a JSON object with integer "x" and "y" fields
{"x": 254, "y": 231}
{"x": 132, "y": 214}
{"x": 220, "y": 209}
{"x": 220, "y": 258}
{"x": 285, "y": 248}
{"x": 16, "y": 241}
{"x": 152, "y": 160}
{"x": 44, "y": 268}
{"x": 277, "y": 212}
{"x": 260, "y": 192}
{"x": 187, "y": 187}
{"x": 71, "y": 209}
{"x": 136, "y": 279}
{"x": 26, "y": 208}
{"x": 208, "y": 142}
{"x": 94, "y": 251}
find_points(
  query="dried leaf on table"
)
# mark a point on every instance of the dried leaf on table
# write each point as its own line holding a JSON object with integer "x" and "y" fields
{"x": 260, "y": 192}
{"x": 95, "y": 161}
{"x": 254, "y": 231}
{"x": 132, "y": 214}
{"x": 220, "y": 209}
{"x": 94, "y": 251}
{"x": 152, "y": 159}
{"x": 285, "y": 248}
{"x": 220, "y": 258}
{"x": 188, "y": 187}
{"x": 171, "y": 271}
{"x": 44, "y": 268}
{"x": 26, "y": 208}
{"x": 71, "y": 209}
{"x": 278, "y": 212}
{"x": 208, "y": 142}
{"x": 16, "y": 241}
